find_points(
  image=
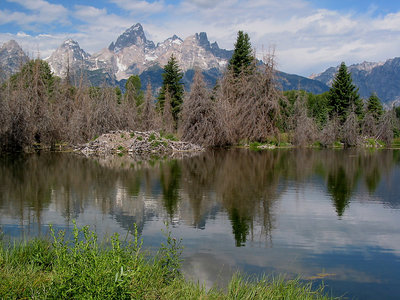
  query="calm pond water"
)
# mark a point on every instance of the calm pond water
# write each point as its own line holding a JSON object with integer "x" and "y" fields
{"x": 293, "y": 212}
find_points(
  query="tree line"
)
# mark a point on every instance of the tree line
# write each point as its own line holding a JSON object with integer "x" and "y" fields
{"x": 246, "y": 105}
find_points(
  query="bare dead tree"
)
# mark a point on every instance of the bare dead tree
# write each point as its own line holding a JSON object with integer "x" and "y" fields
{"x": 104, "y": 115}
{"x": 78, "y": 126}
{"x": 351, "y": 131}
{"x": 30, "y": 108}
{"x": 369, "y": 126}
{"x": 4, "y": 113}
{"x": 65, "y": 105}
{"x": 249, "y": 102}
{"x": 331, "y": 132}
{"x": 386, "y": 126}
{"x": 200, "y": 122}
{"x": 4, "y": 119}
{"x": 260, "y": 108}
{"x": 224, "y": 106}
{"x": 305, "y": 130}
{"x": 128, "y": 114}
{"x": 149, "y": 118}
{"x": 96, "y": 111}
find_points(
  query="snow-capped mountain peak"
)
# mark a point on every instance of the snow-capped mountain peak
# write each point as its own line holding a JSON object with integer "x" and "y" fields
{"x": 132, "y": 53}
{"x": 68, "y": 56}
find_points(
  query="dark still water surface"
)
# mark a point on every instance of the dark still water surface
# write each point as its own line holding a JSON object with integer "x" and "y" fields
{"x": 315, "y": 214}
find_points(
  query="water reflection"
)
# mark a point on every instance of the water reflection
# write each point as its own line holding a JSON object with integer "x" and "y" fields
{"x": 286, "y": 211}
{"x": 245, "y": 185}
{"x": 170, "y": 180}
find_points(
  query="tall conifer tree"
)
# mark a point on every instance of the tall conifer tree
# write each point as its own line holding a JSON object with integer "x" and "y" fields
{"x": 172, "y": 83}
{"x": 343, "y": 96}
{"x": 374, "y": 106}
{"x": 242, "y": 55}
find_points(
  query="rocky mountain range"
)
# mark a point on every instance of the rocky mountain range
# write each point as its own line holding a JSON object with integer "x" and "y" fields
{"x": 382, "y": 78}
{"x": 12, "y": 57}
{"x": 133, "y": 54}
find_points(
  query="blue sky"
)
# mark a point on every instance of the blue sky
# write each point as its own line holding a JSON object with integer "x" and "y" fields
{"x": 308, "y": 35}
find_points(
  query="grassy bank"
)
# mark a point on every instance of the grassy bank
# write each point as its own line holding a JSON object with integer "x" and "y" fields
{"x": 84, "y": 268}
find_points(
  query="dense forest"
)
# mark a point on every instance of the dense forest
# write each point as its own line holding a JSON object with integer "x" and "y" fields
{"x": 38, "y": 109}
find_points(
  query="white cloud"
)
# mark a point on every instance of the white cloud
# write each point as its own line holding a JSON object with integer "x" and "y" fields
{"x": 390, "y": 22}
{"x": 22, "y": 34}
{"x": 307, "y": 39}
{"x": 34, "y": 46}
{"x": 99, "y": 28}
{"x": 14, "y": 17}
{"x": 84, "y": 12}
{"x": 42, "y": 12}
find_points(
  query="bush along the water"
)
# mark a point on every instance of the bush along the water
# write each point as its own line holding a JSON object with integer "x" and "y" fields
{"x": 84, "y": 268}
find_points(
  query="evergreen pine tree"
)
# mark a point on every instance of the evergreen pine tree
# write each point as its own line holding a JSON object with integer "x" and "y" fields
{"x": 343, "y": 95}
{"x": 172, "y": 82}
{"x": 374, "y": 106}
{"x": 242, "y": 55}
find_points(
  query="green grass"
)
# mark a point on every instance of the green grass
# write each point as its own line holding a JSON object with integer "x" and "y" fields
{"x": 168, "y": 136}
{"x": 396, "y": 143}
{"x": 155, "y": 144}
{"x": 171, "y": 137}
{"x": 337, "y": 144}
{"x": 317, "y": 145}
{"x": 254, "y": 146}
{"x": 84, "y": 268}
{"x": 152, "y": 137}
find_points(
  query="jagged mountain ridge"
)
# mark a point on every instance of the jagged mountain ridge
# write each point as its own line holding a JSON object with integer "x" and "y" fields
{"x": 132, "y": 36}
{"x": 132, "y": 53}
{"x": 69, "y": 57}
{"x": 382, "y": 78}
{"x": 327, "y": 76}
{"x": 12, "y": 57}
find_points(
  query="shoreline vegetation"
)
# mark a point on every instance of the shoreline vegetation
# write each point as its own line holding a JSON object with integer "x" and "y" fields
{"x": 41, "y": 111}
{"x": 84, "y": 268}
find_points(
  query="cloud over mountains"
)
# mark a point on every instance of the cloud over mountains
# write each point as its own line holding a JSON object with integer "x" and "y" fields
{"x": 307, "y": 37}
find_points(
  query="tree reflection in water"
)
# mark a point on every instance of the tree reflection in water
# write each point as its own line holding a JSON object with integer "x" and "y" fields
{"x": 340, "y": 188}
{"x": 170, "y": 179}
{"x": 244, "y": 185}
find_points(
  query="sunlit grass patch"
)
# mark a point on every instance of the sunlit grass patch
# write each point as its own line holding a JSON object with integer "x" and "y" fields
{"x": 84, "y": 268}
